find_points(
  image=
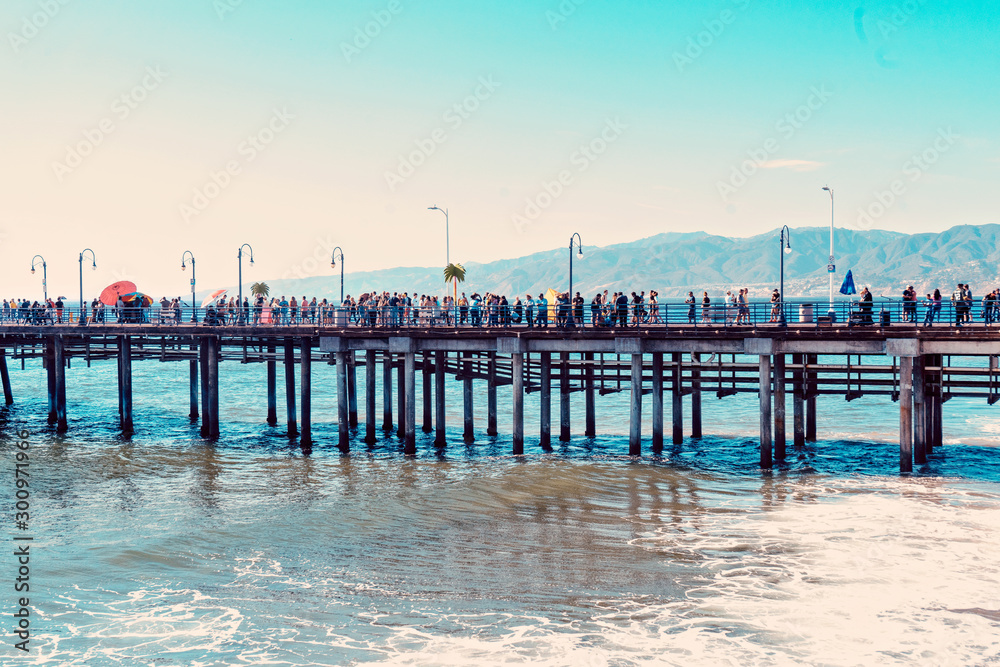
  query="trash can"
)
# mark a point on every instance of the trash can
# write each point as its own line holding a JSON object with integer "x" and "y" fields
{"x": 340, "y": 316}
{"x": 805, "y": 313}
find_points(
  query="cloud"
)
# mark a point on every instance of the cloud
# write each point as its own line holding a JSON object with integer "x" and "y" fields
{"x": 794, "y": 165}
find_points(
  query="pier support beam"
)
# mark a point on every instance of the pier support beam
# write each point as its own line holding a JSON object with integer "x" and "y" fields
{"x": 193, "y": 385}
{"x": 657, "y": 402}
{"x": 677, "y": 410}
{"x": 60, "y": 368}
{"x": 305, "y": 382}
{"x": 440, "y": 363}
{"x": 564, "y": 426}
{"x": 206, "y": 410}
{"x": 352, "y": 390}
{"x": 811, "y": 399}
{"x": 517, "y": 375}
{"x": 765, "y": 411}
{"x": 387, "y": 391}
{"x": 905, "y": 414}
{"x": 590, "y": 429}
{"x": 293, "y": 429}
{"x": 937, "y": 434}
{"x": 50, "y": 376}
{"x": 491, "y": 395}
{"x": 919, "y": 411}
{"x": 635, "y": 408}
{"x": 410, "y": 382}
{"x": 272, "y": 389}
{"x": 469, "y": 433}
{"x": 401, "y": 397}
{"x": 370, "y": 397}
{"x": 8, "y": 394}
{"x": 545, "y": 400}
{"x": 798, "y": 403}
{"x": 213, "y": 386}
{"x": 779, "y": 407}
{"x": 343, "y": 417}
{"x": 696, "y": 395}
{"x": 126, "y": 383}
{"x": 427, "y": 406}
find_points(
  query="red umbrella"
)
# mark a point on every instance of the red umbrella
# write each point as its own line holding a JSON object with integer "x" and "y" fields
{"x": 212, "y": 298}
{"x": 109, "y": 296}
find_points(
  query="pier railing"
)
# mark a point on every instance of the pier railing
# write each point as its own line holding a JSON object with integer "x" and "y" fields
{"x": 844, "y": 313}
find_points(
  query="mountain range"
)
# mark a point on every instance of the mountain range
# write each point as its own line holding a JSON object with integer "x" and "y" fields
{"x": 675, "y": 263}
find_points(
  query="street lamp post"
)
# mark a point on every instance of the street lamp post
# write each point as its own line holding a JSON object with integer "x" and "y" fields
{"x": 194, "y": 305}
{"x": 93, "y": 265}
{"x": 45, "y": 275}
{"x": 447, "y": 242}
{"x": 333, "y": 265}
{"x": 831, "y": 267}
{"x": 579, "y": 245}
{"x": 239, "y": 257}
{"x": 784, "y": 248}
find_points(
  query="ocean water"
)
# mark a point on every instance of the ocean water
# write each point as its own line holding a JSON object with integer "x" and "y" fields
{"x": 163, "y": 549}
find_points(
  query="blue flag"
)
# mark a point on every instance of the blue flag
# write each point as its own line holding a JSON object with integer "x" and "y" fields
{"x": 848, "y": 286}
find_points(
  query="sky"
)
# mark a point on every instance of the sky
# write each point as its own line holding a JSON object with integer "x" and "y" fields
{"x": 142, "y": 130}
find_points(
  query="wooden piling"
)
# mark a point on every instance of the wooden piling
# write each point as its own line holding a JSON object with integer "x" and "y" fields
{"x": 206, "y": 410}
{"x": 305, "y": 389}
{"x": 696, "y": 395}
{"x": 370, "y": 397}
{"x": 545, "y": 400}
{"x": 590, "y": 429}
{"x": 343, "y": 417}
{"x": 193, "y": 384}
{"x": 677, "y": 409}
{"x": 468, "y": 434}
{"x": 905, "y": 414}
{"x": 564, "y": 426}
{"x": 127, "y": 423}
{"x": 59, "y": 361}
{"x": 409, "y": 440}
{"x": 937, "y": 438}
{"x": 919, "y": 411}
{"x": 50, "y": 371}
{"x": 765, "y": 411}
{"x": 491, "y": 394}
{"x": 635, "y": 408}
{"x": 272, "y": 389}
{"x": 811, "y": 399}
{"x": 779, "y": 407}
{"x": 213, "y": 385}
{"x": 352, "y": 390}
{"x": 427, "y": 406}
{"x": 293, "y": 429}
{"x": 387, "y": 391}
{"x": 657, "y": 402}
{"x": 798, "y": 403}
{"x": 440, "y": 363}
{"x": 8, "y": 393}
{"x": 517, "y": 375}
{"x": 401, "y": 398}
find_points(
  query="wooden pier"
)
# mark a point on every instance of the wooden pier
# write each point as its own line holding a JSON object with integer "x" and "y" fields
{"x": 913, "y": 367}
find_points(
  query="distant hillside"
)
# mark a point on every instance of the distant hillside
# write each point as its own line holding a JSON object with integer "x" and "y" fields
{"x": 674, "y": 264}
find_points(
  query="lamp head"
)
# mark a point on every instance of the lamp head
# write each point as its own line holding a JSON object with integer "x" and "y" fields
{"x": 788, "y": 249}
{"x": 333, "y": 264}
{"x": 93, "y": 267}
{"x": 183, "y": 266}
{"x": 32, "y": 270}
{"x": 579, "y": 253}
{"x": 251, "y": 261}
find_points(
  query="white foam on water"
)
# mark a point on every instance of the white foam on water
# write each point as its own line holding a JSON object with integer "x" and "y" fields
{"x": 867, "y": 578}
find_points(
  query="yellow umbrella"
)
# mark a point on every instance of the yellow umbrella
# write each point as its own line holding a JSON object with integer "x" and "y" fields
{"x": 551, "y": 295}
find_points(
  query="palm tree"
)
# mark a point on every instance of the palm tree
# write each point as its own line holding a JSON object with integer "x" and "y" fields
{"x": 454, "y": 273}
{"x": 260, "y": 289}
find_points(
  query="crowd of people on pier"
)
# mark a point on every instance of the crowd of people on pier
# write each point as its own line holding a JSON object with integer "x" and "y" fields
{"x": 398, "y": 309}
